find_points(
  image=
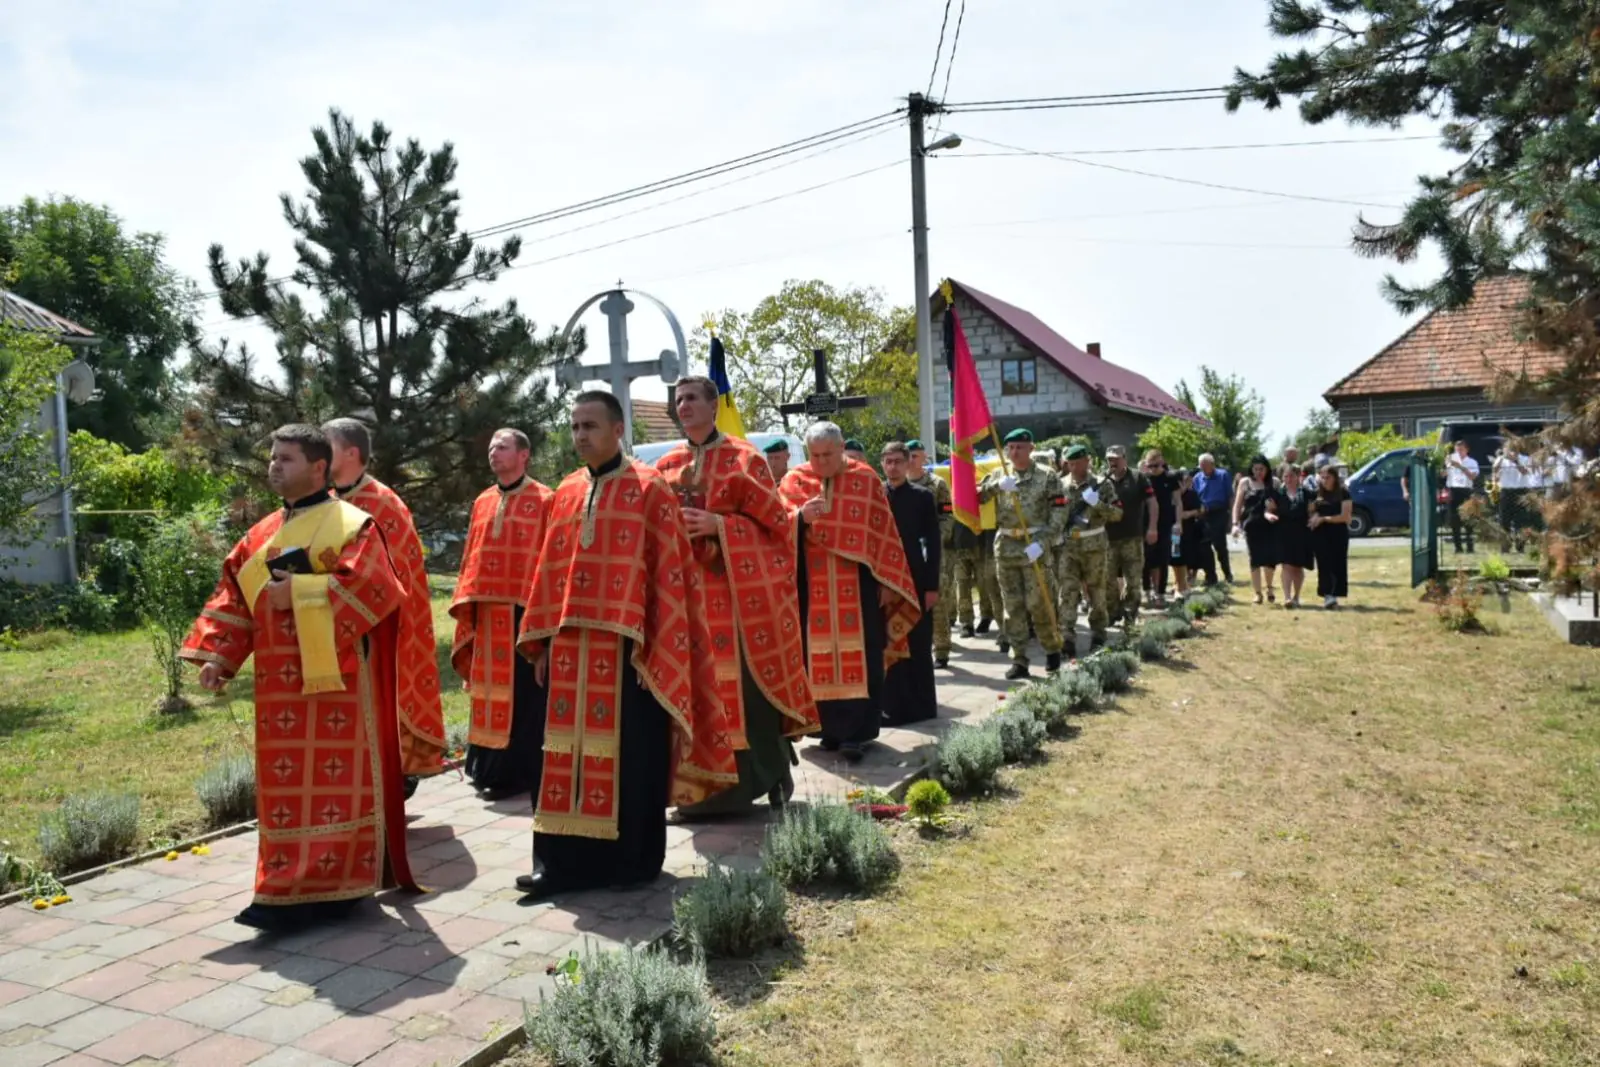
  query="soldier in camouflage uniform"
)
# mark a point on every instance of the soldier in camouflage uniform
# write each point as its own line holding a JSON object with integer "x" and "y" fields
{"x": 972, "y": 561}
{"x": 1128, "y": 533}
{"x": 1091, "y": 502}
{"x": 1037, "y": 490}
{"x": 918, "y": 474}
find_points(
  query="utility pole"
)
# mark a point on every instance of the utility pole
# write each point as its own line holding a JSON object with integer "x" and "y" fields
{"x": 919, "y": 107}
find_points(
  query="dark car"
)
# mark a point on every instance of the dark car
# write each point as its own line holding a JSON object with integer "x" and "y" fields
{"x": 1376, "y": 493}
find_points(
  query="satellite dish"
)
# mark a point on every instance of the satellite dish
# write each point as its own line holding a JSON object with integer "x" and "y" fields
{"x": 77, "y": 379}
{"x": 669, "y": 366}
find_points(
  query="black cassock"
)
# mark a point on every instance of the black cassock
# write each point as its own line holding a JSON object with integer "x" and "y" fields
{"x": 644, "y": 781}
{"x": 518, "y": 765}
{"x": 908, "y": 689}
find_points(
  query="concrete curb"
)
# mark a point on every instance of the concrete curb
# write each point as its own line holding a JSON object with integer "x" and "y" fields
{"x": 143, "y": 857}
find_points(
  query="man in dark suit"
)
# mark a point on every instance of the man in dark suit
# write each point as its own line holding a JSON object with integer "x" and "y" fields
{"x": 908, "y": 689}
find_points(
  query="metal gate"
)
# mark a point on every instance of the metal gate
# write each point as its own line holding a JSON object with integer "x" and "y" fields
{"x": 1424, "y": 485}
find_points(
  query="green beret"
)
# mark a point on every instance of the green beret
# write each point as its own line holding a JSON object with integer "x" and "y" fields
{"x": 914, "y": 445}
{"x": 1077, "y": 452}
{"x": 853, "y": 445}
{"x": 780, "y": 445}
{"x": 1019, "y": 434}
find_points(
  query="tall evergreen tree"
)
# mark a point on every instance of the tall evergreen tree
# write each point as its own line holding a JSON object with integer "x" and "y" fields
{"x": 1518, "y": 84}
{"x": 378, "y": 247}
{"x": 79, "y": 260}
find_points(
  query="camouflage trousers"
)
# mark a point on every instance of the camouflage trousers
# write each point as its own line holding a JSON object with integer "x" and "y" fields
{"x": 1125, "y": 562}
{"x": 941, "y": 610}
{"x": 1083, "y": 573}
{"x": 1022, "y": 600}
{"x": 975, "y": 572}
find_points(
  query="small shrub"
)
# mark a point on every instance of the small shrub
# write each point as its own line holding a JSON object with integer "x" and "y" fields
{"x": 926, "y": 800}
{"x": 1042, "y": 699}
{"x": 1113, "y": 668}
{"x": 628, "y": 1008}
{"x": 1174, "y": 627}
{"x": 88, "y": 830}
{"x": 1152, "y": 646}
{"x": 1021, "y": 733}
{"x": 227, "y": 790}
{"x": 730, "y": 913}
{"x": 13, "y": 873}
{"x": 455, "y": 735}
{"x": 1494, "y": 569}
{"x": 1198, "y": 608}
{"x": 819, "y": 841}
{"x": 1080, "y": 689}
{"x": 968, "y": 759}
{"x": 1457, "y": 609}
{"x": 178, "y": 568}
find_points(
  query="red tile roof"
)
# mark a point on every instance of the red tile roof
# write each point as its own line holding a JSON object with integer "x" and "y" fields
{"x": 1461, "y": 349}
{"x": 656, "y": 421}
{"x": 30, "y": 316}
{"x": 1109, "y": 384}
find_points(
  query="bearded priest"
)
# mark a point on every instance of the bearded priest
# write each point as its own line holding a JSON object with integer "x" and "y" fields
{"x": 743, "y": 545}
{"x": 615, "y": 629}
{"x": 857, "y": 600}
{"x": 311, "y": 593}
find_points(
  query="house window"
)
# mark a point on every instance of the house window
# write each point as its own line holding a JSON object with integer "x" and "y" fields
{"x": 1017, "y": 377}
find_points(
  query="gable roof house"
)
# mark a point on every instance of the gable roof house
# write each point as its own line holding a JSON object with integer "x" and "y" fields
{"x": 654, "y": 419}
{"x": 1440, "y": 369}
{"x": 1036, "y": 378}
{"x": 52, "y": 559}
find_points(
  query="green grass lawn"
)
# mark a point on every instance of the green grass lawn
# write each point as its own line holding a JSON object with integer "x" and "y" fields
{"x": 77, "y": 714}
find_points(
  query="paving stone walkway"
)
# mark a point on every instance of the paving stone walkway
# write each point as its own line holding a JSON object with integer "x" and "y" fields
{"x": 147, "y": 967}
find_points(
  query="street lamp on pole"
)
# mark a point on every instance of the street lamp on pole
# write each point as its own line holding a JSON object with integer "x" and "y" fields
{"x": 919, "y": 108}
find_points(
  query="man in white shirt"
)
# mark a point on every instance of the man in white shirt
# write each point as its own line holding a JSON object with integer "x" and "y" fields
{"x": 1510, "y": 477}
{"x": 1460, "y": 475}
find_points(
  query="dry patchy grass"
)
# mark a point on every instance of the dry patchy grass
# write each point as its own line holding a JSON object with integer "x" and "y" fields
{"x": 1347, "y": 838}
{"x": 77, "y": 714}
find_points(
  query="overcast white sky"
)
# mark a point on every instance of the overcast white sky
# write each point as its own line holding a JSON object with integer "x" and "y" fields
{"x": 190, "y": 119}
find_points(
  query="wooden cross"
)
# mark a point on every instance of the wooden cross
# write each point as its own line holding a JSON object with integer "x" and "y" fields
{"x": 822, "y": 402}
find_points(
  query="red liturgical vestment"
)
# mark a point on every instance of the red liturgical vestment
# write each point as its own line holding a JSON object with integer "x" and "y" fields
{"x": 417, "y": 684}
{"x": 614, "y": 577}
{"x": 856, "y": 530}
{"x": 496, "y": 571}
{"x": 328, "y": 778}
{"x": 748, "y": 574}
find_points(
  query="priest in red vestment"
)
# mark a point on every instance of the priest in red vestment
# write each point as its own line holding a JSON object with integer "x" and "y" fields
{"x": 310, "y": 591}
{"x": 616, "y": 628}
{"x": 417, "y": 683}
{"x": 508, "y": 522}
{"x": 856, "y": 594}
{"x": 743, "y": 544}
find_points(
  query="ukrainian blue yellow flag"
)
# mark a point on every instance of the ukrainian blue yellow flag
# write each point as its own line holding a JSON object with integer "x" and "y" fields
{"x": 728, "y": 420}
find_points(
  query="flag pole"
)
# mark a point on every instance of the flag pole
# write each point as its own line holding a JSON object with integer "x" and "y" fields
{"x": 1038, "y": 571}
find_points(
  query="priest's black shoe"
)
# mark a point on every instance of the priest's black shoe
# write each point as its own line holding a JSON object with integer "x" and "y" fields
{"x": 412, "y": 781}
{"x": 539, "y": 885}
{"x": 291, "y": 918}
{"x": 504, "y": 792}
{"x": 1018, "y": 670}
{"x": 984, "y": 624}
{"x": 1052, "y": 662}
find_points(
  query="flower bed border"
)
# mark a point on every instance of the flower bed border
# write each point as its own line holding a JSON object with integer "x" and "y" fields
{"x": 128, "y": 861}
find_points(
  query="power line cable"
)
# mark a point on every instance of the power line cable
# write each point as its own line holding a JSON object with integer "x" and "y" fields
{"x": 802, "y": 144}
{"x": 1175, "y": 178}
{"x": 955, "y": 45}
{"x": 971, "y": 110}
{"x": 1154, "y": 93}
{"x": 939, "y": 49}
{"x": 1195, "y": 148}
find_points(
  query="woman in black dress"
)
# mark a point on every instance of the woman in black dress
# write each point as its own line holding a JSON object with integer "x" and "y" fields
{"x": 1255, "y": 515}
{"x": 1190, "y": 548}
{"x": 1295, "y": 499}
{"x": 1330, "y": 537}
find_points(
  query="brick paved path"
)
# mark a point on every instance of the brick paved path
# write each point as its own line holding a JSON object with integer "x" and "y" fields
{"x": 147, "y": 967}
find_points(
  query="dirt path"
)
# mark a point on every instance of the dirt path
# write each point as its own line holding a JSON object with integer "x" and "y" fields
{"x": 1346, "y": 838}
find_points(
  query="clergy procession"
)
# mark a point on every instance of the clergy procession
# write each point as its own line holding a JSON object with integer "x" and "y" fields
{"x": 642, "y": 644}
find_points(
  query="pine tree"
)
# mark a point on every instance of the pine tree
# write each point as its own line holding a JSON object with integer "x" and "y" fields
{"x": 1518, "y": 83}
{"x": 378, "y": 248}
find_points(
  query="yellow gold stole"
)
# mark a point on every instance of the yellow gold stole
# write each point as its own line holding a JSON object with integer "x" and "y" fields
{"x": 324, "y": 531}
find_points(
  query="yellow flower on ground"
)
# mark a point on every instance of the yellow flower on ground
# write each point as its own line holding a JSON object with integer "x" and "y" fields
{"x": 171, "y": 856}
{"x": 40, "y": 904}
{"x": 61, "y": 898}
{"x": 201, "y": 850}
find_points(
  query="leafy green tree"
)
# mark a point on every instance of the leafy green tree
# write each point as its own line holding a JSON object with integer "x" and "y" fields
{"x": 1321, "y": 426}
{"x": 29, "y": 363}
{"x": 869, "y": 354}
{"x": 379, "y": 249}
{"x": 1235, "y": 411}
{"x": 1180, "y": 441}
{"x": 80, "y": 261}
{"x": 1515, "y": 82}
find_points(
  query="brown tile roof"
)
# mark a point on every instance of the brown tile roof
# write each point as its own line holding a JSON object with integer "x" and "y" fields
{"x": 1459, "y": 349}
{"x": 30, "y": 316}
{"x": 656, "y": 421}
{"x": 1108, "y": 384}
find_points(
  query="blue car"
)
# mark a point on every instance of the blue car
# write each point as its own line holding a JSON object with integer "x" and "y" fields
{"x": 1377, "y": 494}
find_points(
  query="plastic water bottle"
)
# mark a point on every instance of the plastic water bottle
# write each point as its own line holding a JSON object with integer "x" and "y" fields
{"x": 1177, "y": 538}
